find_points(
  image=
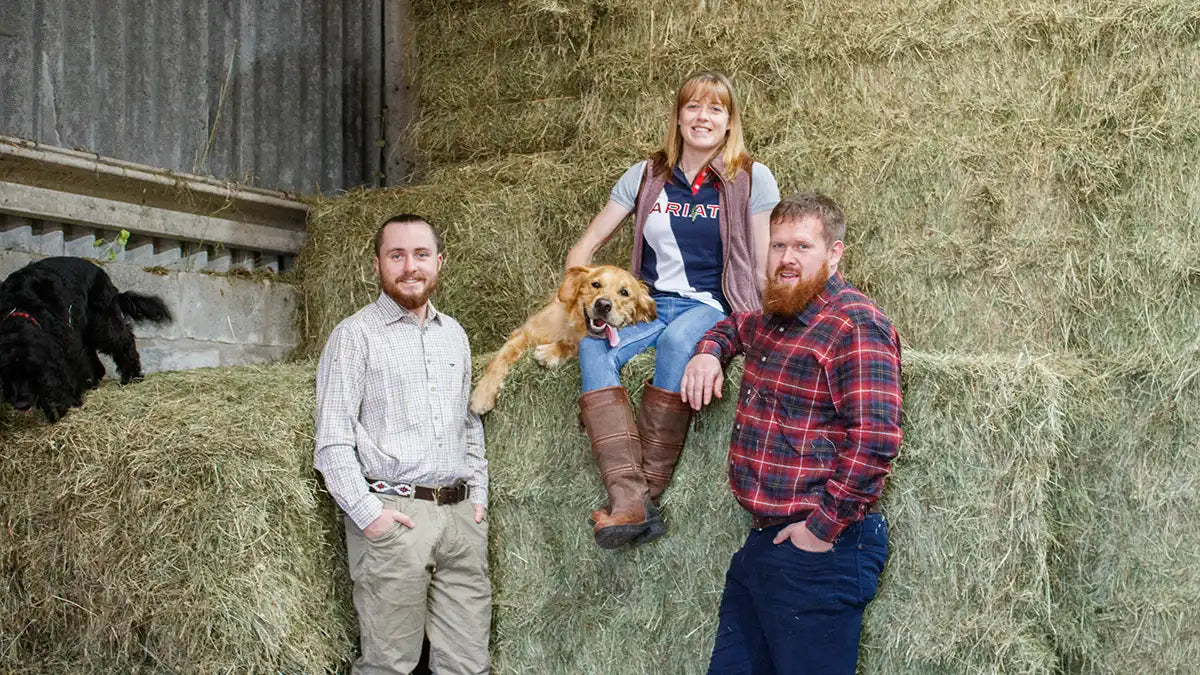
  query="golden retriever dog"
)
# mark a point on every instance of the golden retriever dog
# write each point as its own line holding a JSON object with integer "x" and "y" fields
{"x": 595, "y": 301}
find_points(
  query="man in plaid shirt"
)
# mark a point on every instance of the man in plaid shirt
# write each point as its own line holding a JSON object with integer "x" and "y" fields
{"x": 816, "y": 430}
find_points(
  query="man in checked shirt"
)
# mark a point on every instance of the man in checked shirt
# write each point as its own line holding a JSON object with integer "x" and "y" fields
{"x": 816, "y": 430}
{"x": 403, "y": 457}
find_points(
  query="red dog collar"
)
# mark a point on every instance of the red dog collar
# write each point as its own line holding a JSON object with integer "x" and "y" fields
{"x": 22, "y": 315}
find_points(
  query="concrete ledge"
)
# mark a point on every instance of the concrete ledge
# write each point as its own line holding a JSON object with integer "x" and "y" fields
{"x": 75, "y": 209}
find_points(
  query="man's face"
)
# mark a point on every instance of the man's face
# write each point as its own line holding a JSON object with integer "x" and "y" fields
{"x": 799, "y": 262}
{"x": 408, "y": 263}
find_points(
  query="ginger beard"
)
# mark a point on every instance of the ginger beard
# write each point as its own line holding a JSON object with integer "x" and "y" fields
{"x": 783, "y": 298}
{"x": 407, "y": 299}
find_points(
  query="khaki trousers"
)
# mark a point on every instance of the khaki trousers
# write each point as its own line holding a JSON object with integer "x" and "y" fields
{"x": 430, "y": 580}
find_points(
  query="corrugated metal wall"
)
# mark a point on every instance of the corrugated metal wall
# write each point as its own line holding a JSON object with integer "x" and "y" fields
{"x": 282, "y": 94}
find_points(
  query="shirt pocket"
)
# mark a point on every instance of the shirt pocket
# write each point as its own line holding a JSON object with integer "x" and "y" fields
{"x": 446, "y": 381}
{"x": 394, "y": 393}
{"x": 804, "y": 413}
{"x": 808, "y": 440}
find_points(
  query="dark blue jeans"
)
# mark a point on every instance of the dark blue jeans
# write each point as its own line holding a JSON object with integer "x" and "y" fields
{"x": 791, "y": 612}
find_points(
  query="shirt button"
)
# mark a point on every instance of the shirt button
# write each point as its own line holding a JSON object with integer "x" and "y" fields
{"x": 781, "y": 329}
{"x": 763, "y": 359}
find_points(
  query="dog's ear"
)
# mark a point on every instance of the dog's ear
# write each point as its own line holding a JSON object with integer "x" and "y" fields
{"x": 644, "y": 307}
{"x": 570, "y": 285}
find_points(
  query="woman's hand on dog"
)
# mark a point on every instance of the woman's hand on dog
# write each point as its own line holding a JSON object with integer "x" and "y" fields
{"x": 702, "y": 379}
{"x": 384, "y": 522}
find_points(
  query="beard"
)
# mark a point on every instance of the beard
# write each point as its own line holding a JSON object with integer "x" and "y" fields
{"x": 781, "y": 298}
{"x": 407, "y": 300}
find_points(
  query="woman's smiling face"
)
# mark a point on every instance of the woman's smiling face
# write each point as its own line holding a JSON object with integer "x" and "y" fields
{"x": 703, "y": 124}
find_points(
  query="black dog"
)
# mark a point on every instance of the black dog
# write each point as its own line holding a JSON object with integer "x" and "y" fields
{"x": 54, "y": 315}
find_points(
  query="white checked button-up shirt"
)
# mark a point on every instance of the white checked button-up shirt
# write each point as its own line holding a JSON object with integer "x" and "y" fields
{"x": 392, "y": 405}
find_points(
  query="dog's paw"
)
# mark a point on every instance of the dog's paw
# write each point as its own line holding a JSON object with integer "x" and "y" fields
{"x": 548, "y": 355}
{"x": 483, "y": 399}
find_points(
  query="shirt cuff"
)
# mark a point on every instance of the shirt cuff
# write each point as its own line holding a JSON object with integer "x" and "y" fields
{"x": 479, "y": 496}
{"x": 709, "y": 347}
{"x": 823, "y": 527}
{"x": 365, "y": 510}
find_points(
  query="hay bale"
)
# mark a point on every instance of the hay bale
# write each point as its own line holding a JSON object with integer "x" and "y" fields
{"x": 1127, "y": 565}
{"x": 178, "y": 525}
{"x": 173, "y": 526}
{"x": 964, "y": 590}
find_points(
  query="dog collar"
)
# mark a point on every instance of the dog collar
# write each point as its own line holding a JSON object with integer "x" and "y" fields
{"x": 22, "y": 315}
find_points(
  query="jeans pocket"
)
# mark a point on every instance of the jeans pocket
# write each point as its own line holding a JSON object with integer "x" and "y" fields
{"x": 872, "y": 554}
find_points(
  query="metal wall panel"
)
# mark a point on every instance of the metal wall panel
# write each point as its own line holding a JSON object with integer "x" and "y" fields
{"x": 280, "y": 94}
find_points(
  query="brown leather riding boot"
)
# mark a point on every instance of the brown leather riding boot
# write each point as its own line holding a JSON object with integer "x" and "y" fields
{"x": 608, "y": 418}
{"x": 663, "y": 422}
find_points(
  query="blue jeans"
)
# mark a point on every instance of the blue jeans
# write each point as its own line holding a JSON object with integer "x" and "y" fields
{"x": 680, "y": 324}
{"x": 787, "y": 611}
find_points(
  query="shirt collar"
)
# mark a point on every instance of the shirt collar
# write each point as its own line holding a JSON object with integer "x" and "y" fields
{"x": 833, "y": 286}
{"x": 709, "y": 170}
{"x": 393, "y": 312}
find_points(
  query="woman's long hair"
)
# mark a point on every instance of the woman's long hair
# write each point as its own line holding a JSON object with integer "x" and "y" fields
{"x": 706, "y": 85}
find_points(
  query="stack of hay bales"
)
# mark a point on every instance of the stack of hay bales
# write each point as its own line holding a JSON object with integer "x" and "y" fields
{"x": 1020, "y": 179}
{"x": 1017, "y": 176}
{"x": 1125, "y": 560}
{"x": 175, "y": 525}
{"x": 964, "y": 590}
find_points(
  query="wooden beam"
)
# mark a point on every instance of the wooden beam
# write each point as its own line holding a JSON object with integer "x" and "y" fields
{"x": 72, "y": 171}
{"x": 398, "y": 97}
{"x": 53, "y": 205}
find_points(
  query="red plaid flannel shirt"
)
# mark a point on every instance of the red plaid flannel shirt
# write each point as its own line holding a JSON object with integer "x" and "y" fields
{"x": 818, "y": 412}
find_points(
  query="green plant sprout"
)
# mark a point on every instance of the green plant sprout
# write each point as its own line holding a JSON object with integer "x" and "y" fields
{"x": 111, "y": 249}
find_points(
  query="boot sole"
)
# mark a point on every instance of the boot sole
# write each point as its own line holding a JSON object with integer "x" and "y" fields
{"x": 656, "y": 529}
{"x": 648, "y": 530}
{"x": 619, "y": 535}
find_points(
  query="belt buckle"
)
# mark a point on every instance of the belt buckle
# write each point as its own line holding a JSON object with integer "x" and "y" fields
{"x": 437, "y": 496}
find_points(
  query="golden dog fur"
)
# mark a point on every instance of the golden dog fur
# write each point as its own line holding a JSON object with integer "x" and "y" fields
{"x": 555, "y": 330}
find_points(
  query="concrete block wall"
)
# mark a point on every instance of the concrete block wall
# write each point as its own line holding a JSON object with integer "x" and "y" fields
{"x": 219, "y": 320}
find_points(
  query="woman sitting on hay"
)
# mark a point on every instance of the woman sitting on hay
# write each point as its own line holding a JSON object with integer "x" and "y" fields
{"x": 701, "y": 210}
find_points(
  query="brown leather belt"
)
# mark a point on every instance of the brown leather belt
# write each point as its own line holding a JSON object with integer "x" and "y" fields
{"x": 442, "y": 496}
{"x": 763, "y": 522}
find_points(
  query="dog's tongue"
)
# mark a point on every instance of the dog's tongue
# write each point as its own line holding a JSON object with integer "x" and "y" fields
{"x": 613, "y": 338}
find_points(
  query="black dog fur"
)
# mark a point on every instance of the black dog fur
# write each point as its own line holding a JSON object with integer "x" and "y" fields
{"x": 55, "y": 314}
